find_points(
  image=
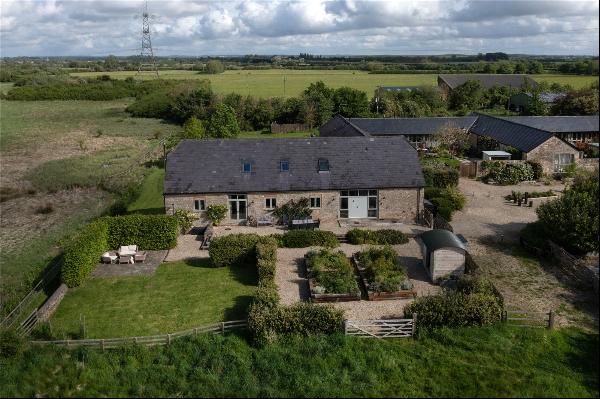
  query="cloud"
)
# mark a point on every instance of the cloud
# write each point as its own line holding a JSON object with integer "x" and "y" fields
{"x": 186, "y": 27}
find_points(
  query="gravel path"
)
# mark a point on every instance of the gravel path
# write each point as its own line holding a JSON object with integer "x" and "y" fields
{"x": 293, "y": 286}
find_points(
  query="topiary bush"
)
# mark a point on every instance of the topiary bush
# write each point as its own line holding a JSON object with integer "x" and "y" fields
{"x": 376, "y": 237}
{"x": 154, "y": 232}
{"x": 309, "y": 238}
{"x": 83, "y": 253}
{"x": 216, "y": 213}
{"x": 185, "y": 219}
{"x": 234, "y": 249}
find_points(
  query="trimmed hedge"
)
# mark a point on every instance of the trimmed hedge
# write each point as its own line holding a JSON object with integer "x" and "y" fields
{"x": 376, "y": 237}
{"x": 475, "y": 302}
{"x": 153, "y": 232}
{"x": 266, "y": 324}
{"x": 440, "y": 177}
{"x": 266, "y": 259}
{"x": 84, "y": 252}
{"x": 234, "y": 249}
{"x": 309, "y": 238}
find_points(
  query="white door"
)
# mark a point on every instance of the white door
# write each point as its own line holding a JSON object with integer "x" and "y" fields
{"x": 358, "y": 207}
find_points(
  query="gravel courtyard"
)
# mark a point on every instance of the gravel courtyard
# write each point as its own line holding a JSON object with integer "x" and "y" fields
{"x": 293, "y": 285}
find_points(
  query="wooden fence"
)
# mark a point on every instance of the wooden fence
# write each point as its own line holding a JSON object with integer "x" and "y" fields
{"x": 426, "y": 218}
{"x": 288, "y": 127}
{"x": 524, "y": 318}
{"x": 392, "y": 328}
{"x": 150, "y": 340}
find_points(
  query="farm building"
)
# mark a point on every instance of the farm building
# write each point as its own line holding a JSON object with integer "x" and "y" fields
{"x": 521, "y": 102}
{"x": 574, "y": 129}
{"x": 443, "y": 253}
{"x": 344, "y": 177}
{"x": 447, "y": 83}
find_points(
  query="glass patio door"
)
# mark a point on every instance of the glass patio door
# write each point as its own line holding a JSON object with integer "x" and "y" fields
{"x": 237, "y": 206}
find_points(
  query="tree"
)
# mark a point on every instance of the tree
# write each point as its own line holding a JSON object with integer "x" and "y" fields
{"x": 193, "y": 129}
{"x": 572, "y": 219}
{"x": 452, "y": 138}
{"x": 214, "y": 67}
{"x": 351, "y": 102}
{"x": 412, "y": 109}
{"x": 468, "y": 95}
{"x": 111, "y": 63}
{"x": 222, "y": 122}
{"x": 317, "y": 104}
{"x": 191, "y": 99}
{"x": 578, "y": 102}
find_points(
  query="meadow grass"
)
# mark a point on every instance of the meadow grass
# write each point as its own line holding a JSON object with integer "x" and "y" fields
{"x": 470, "y": 362}
{"x": 270, "y": 82}
{"x": 180, "y": 295}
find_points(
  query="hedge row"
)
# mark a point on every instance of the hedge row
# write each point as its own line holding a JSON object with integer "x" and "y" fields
{"x": 154, "y": 232}
{"x": 83, "y": 253}
{"x": 233, "y": 249}
{"x": 376, "y": 237}
{"x": 475, "y": 302}
{"x": 440, "y": 177}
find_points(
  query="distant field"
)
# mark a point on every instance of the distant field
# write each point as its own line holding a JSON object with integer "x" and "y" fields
{"x": 270, "y": 83}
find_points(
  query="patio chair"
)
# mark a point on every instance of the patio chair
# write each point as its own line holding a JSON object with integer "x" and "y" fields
{"x": 265, "y": 220}
{"x": 140, "y": 256}
{"x": 125, "y": 259}
{"x": 128, "y": 249}
{"x": 109, "y": 257}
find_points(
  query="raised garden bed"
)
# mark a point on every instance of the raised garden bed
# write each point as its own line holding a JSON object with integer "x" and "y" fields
{"x": 405, "y": 287}
{"x": 331, "y": 277}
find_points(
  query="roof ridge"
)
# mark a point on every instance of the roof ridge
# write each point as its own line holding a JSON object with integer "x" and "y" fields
{"x": 347, "y": 120}
{"x": 515, "y": 123}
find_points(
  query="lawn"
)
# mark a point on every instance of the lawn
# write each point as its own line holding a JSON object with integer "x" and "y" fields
{"x": 469, "y": 362}
{"x": 270, "y": 83}
{"x": 178, "y": 296}
{"x": 150, "y": 198}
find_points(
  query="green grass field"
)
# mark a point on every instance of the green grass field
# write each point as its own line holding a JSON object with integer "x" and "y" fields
{"x": 178, "y": 296}
{"x": 150, "y": 197}
{"x": 270, "y": 83}
{"x": 469, "y": 362}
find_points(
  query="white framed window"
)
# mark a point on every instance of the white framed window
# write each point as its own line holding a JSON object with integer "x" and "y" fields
{"x": 199, "y": 205}
{"x": 315, "y": 202}
{"x": 270, "y": 203}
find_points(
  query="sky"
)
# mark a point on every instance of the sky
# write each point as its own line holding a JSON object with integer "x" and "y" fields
{"x": 348, "y": 27}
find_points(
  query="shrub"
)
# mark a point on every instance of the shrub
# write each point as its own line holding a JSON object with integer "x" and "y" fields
{"x": 293, "y": 210}
{"x": 444, "y": 207}
{"x": 266, "y": 323}
{"x": 440, "y": 177}
{"x": 154, "y": 232}
{"x": 216, "y": 213}
{"x": 537, "y": 169}
{"x": 266, "y": 295}
{"x": 383, "y": 271}
{"x": 475, "y": 302}
{"x": 332, "y": 271}
{"x": 376, "y": 237}
{"x": 11, "y": 343}
{"x": 234, "y": 249}
{"x": 309, "y": 238}
{"x": 457, "y": 198}
{"x": 83, "y": 253}
{"x": 46, "y": 209}
{"x": 185, "y": 219}
{"x": 508, "y": 173}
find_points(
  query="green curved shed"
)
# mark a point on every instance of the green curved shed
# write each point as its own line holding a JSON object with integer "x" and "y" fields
{"x": 440, "y": 238}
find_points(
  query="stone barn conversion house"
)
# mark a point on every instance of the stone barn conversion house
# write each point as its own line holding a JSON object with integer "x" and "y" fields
{"x": 447, "y": 83}
{"x": 344, "y": 177}
{"x": 420, "y": 132}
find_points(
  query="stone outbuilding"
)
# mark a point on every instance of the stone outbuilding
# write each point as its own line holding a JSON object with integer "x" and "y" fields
{"x": 443, "y": 253}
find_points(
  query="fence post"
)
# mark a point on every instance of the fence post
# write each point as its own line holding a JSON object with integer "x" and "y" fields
{"x": 345, "y": 327}
{"x": 222, "y": 327}
{"x": 414, "y": 324}
{"x": 196, "y": 331}
{"x": 102, "y": 342}
{"x": 551, "y": 320}
{"x": 168, "y": 339}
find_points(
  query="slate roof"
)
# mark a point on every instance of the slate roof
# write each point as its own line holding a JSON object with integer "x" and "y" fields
{"x": 394, "y": 126}
{"x": 558, "y": 124}
{"x": 215, "y": 166}
{"x": 489, "y": 80}
{"x": 439, "y": 238}
{"x": 521, "y": 137}
{"x": 338, "y": 126}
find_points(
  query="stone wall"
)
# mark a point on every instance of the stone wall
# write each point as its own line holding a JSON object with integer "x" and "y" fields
{"x": 544, "y": 153}
{"x": 51, "y": 304}
{"x": 587, "y": 163}
{"x": 399, "y": 204}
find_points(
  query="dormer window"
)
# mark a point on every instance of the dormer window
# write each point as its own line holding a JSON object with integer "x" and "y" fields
{"x": 246, "y": 167}
{"x": 284, "y": 166}
{"x": 323, "y": 165}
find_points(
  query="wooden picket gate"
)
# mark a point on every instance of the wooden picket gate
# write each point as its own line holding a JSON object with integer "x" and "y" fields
{"x": 391, "y": 328}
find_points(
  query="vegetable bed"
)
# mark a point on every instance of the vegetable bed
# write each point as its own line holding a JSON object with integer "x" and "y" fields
{"x": 382, "y": 274}
{"x": 331, "y": 277}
